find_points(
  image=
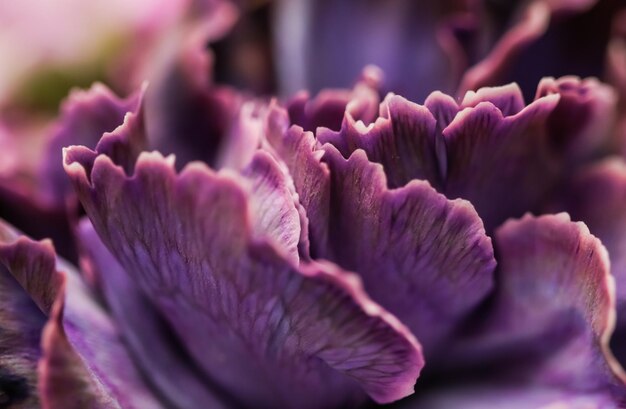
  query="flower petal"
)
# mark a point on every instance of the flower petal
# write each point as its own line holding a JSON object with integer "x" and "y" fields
{"x": 423, "y": 257}
{"x": 493, "y": 68}
{"x": 311, "y": 179}
{"x": 403, "y": 140}
{"x": 21, "y": 322}
{"x": 553, "y": 310}
{"x": 65, "y": 382}
{"x": 597, "y": 196}
{"x": 580, "y": 125}
{"x": 85, "y": 116}
{"x": 329, "y": 107}
{"x": 276, "y": 213}
{"x": 81, "y": 346}
{"x": 266, "y": 331}
{"x": 502, "y": 165}
{"x": 32, "y": 265}
{"x": 173, "y": 374}
{"x": 508, "y": 98}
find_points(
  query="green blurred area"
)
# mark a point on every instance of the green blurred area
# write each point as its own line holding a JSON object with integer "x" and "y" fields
{"x": 44, "y": 90}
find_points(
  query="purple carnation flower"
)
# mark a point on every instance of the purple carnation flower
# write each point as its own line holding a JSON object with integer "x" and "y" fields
{"x": 349, "y": 249}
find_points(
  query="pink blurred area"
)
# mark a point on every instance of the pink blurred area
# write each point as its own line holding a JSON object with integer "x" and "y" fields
{"x": 38, "y": 35}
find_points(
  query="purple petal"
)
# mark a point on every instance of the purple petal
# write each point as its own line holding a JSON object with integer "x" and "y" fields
{"x": 580, "y": 125}
{"x": 97, "y": 343}
{"x": 552, "y": 313}
{"x": 502, "y": 165}
{"x": 423, "y": 257}
{"x": 81, "y": 346}
{"x": 266, "y": 331}
{"x": 481, "y": 150}
{"x": 173, "y": 374}
{"x": 21, "y": 322}
{"x": 311, "y": 178}
{"x": 597, "y": 196}
{"x": 85, "y": 116}
{"x": 443, "y": 107}
{"x": 403, "y": 140}
{"x": 508, "y": 98}
{"x": 326, "y": 109}
{"x": 243, "y": 139}
{"x": 22, "y": 203}
{"x": 329, "y": 107}
{"x": 271, "y": 200}
{"x": 64, "y": 381}
{"x": 32, "y": 265}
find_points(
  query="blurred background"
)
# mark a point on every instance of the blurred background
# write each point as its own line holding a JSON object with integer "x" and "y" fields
{"x": 283, "y": 46}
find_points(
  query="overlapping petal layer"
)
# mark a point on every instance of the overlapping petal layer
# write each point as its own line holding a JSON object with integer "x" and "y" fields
{"x": 547, "y": 328}
{"x": 177, "y": 378}
{"x": 502, "y": 165}
{"x": 404, "y": 140}
{"x": 218, "y": 271}
{"x": 21, "y": 322}
{"x": 423, "y": 257}
{"x": 85, "y": 116}
{"x": 83, "y": 361}
{"x": 261, "y": 328}
{"x": 597, "y": 196}
{"x": 504, "y": 157}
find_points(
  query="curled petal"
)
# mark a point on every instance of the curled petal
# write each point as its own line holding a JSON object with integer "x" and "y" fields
{"x": 277, "y": 216}
{"x": 403, "y": 140}
{"x": 65, "y": 382}
{"x": 262, "y": 329}
{"x": 508, "y": 98}
{"x": 83, "y": 360}
{"x": 85, "y": 116}
{"x": 173, "y": 374}
{"x": 423, "y": 257}
{"x": 186, "y": 114}
{"x": 490, "y": 149}
{"x": 329, "y": 107}
{"x": 581, "y": 124}
{"x": 21, "y": 322}
{"x": 503, "y": 165}
{"x": 552, "y": 37}
{"x": 553, "y": 311}
{"x": 597, "y": 196}
{"x": 32, "y": 264}
{"x": 311, "y": 177}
